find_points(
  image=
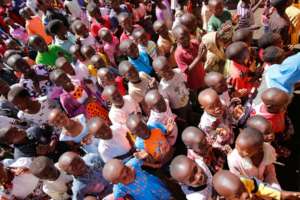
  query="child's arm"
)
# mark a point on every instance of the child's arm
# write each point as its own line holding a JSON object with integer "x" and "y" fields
{"x": 256, "y": 6}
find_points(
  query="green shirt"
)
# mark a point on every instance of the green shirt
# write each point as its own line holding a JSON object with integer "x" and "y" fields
{"x": 215, "y": 23}
{"x": 48, "y": 58}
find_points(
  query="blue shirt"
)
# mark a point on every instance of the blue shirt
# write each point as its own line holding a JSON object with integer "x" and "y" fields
{"x": 144, "y": 187}
{"x": 142, "y": 63}
{"x": 285, "y": 75}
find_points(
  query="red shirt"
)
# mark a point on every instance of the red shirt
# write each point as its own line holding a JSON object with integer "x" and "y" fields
{"x": 124, "y": 36}
{"x": 96, "y": 26}
{"x": 184, "y": 57}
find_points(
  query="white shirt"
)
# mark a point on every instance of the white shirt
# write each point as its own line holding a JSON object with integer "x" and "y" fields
{"x": 117, "y": 146}
{"x": 120, "y": 115}
{"x": 137, "y": 91}
{"x": 175, "y": 90}
{"x": 23, "y": 185}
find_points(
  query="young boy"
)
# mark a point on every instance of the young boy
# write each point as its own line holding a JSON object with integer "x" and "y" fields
{"x": 126, "y": 22}
{"x": 55, "y": 183}
{"x": 132, "y": 182}
{"x": 47, "y": 55}
{"x": 190, "y": 22}
{"x": 215, "y": 121}
{"x": 139, "y": 59}
{"x": 261, "y": 124}
{"x": 233, "y": 187}
{"x": 245, "y": 13}
{"x": 151, "y": 142}
{"x": 86, "y": 180}
{"x": 189, "y": 56}
{"x": 83, "y": 35}
{"x": 113, "y": 140}
{"x": 219, "y": 15}
{"x": 194, "y": 177}
{"x": 72, "y": 71}
{"x": 253, "y": 158}
{"x": 198, "y": 148}
{"x": 121, "y": 107}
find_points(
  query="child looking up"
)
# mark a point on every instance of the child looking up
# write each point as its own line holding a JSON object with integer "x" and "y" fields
{"x": 219, "y": 15}
{"x": 132, "y": 182}
{"x": 261, "y": 124}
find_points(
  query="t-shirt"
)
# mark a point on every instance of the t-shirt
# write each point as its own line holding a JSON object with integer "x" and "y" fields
{"x": 35, "y": 26}
{"x": 151, "y": 49}
{"x": 49, "y": 57}
{"x": 175, "y": 90}
{"x": 137, "y": 91}
{"x": 96, "y": 26}
{"x": 116, "y": 146}
{"x": 215, "y": 23}
{"x": 112, "y": 49}
{"x": 144, "y": 187}
{"x": 65, "y": 44}
{"x": 142, "y": 63}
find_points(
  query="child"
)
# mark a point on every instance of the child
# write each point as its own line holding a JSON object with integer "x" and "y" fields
{"x": 198, "y": 148}
{"x": 245, "y": 13}
{"x": 69, "y": 69}
{"x": 194, "y": 177}
{"x": 219, "y": 15}
{"x": 74, "y": 130}
{"x": 160, "y": 111}
{"x": 144, "y": 44}
{"x": 132, "y": 182}
{"x": 121, "y": 107}
{"x": 86, "y": 180}
{"x": 78, "y": 63}
{"x": 55, "y": 183}
{"x": 125, "y": 21}
{"x": 261, "y": 124}
{"x": 83, "y": 35}
{"x": 113, "y": 140}
{"x": 16, "y": 31}
{"x": 31, "y": 110}
{"x": 88, "y": 52}
{"x": 215, "y": 118}
{"x": 240, "y": 69}
{"x": 243, "y": 35}
{"x": 190, "y": 22}
{"x": 217, "y": 82}
{"x": 231, "y": 187}
{"x": 46, "y": 55}
{"x": 139, "y": 59}
{"x": 151, "y": 142}
{"x": 253, "y": 158}
{"x": 189, "y": 56}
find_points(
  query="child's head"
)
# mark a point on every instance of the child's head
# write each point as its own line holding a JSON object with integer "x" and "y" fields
{"x": 137, "y": 126}
{"x": 270, "y": 39}
{"x": 229, "y": 186}
{"x": 63, "y": 64}
{"x": 281, "y": 5}
{"x": 60, "y": 78}
{"x": 128, "y": 71}
{"x": 182, "y": 36}
{"x": 140, "y": 36}
{"x": 243, "y": 35}
{"x": 160, "y": 28}
{"x": 105, "y": 35}
{"x": 18, "y": 63}
{"x": 129, "y": 48}
{"x": 238, "y": 52}
{"x": 72, "y": 164}
{"x": 43, "y": 168}
{"x": 81, "y": 30}
{"x": 210, "y": 102}
{"x": 26, "y": 13}
{"x": 87, "y": 51}
{"x": 106, "y": 77}
{"x": 125, "y": 21}
{"x": 275, "y": 100}
{"x": 115, "y": 171}
{"x": 249, "y": 142}
{"x": 189, "y": 21}
{"x": 12, "y": 135}
{"x": 93, "y": 10}
{"x": 273, "y": 55}
{"x": 58, "y": 118}
{"x": 216, "y": 81}
{"x": 20, "y": 97}
{"x": 263, "y": 125}
{"x": 112, "y": 93}
{"x": 100, "y": 129}
{"x": 216, "y": 7}
{"x": 155, "y": 101}
{"x": 56, "y": 27}
{"x": 162, "y": 67}
{"x": 97, "y": 61}
{"x": 186, "y": 171}
{"x": 76, "y": 51}
{"x": 195, "y": 139}
{"x": 37, "y": 43}
{"x": 12, "y": 44}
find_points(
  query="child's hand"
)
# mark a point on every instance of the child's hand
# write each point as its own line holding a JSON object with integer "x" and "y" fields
{"x": 238, "y": 112}
{"x": 152, "y": 84}
{"x": 222, "y": 132}
{"x": 227, "y": 149}
{"x": 202, "y": 51}
{"x": 141, "y": 155}
{"x": 170, "y": 125}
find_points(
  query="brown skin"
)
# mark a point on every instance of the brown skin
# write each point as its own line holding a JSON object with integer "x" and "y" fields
{"x": 263, "y": 125}
{"x": 37, "y": 43}
{"x": 140, "y": 36}
{"x": 111, "y": 92}
{"x": 210, "y": 102}
{"x": 100, "y": 129}
{"x": 155, "y": 101}
{"x": 27, "y": 104}
{"x": 161, "y": 29}
{"x": 186, "y": 171}
{"x": 27, "y": 13}
{"x": 75, "y": 50}
{"x": 137, "y": 126}
{"x": 275, "y": 100}
{"x": 87, "y": 52}
{"x": 64, "y": 65}
{"x": 47, "y": 169}
{"x": 216, "y": 81}
{"x": 72, "y": 163}
{"x": 126, "y": 22}
{"x": 4, "y": 88}
{"x": 129, "y": 48}
{"x": 189, "y": 21}
{"x": 106, "y": 77}
{"x": 15, "y": 135}
{"x": 105, "y": 35}
{"x": 81, "y": 30}
{"x": 116, "y": 172}
{"x": 161, "y": 67}
{"x": 195, "y": 139}
{"x": 65, "y": 82}
{"x": 216, "y": 7}
{"x": 97, "y": 61}
{"x": 128, "y": 71}
{"x": 4, "y": 174}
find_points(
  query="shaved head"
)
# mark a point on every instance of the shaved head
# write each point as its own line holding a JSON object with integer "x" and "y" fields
{"x": 152, "y": 97}
{"x": 124, "y": 67}
{"x": 207, "y": 97}
{"x": 192, "y": 135}
{"x": 180, "y": 167}
{"x": 112, "y": 170}
{"x": 160, "y": 63}
{"x": 259, "y": 123}
{"x": 274, "y": 96}
{"x": 213, "y": 78}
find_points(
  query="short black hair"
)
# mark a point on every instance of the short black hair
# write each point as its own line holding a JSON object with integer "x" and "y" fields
{"x": 272, "y": 54}
{"x": 17, "y": 91}
{"x": 53, "y": 26}
{"x": 40, "y": 165}
{"x": 55, "y": 74}
{"x": 234, "y": 50}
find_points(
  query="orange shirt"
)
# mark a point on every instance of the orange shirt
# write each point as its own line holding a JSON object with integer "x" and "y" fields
{"x": 35, "y": 26}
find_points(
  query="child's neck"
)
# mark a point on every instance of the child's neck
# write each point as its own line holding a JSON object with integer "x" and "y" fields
{"x": 73, "y": 128}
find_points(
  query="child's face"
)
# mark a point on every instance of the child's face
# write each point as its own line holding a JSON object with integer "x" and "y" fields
{"x": 183, "y": 38}
{"x": 59, "y": 119}
{"x": 77, "y": 167}
{"x": 161, "y": 30}
{"x": 65, "y": 82}
{"x": 68, "y": 69}
{"x": 23, "y": 103}
{"x": 199, "y": 144}
{"x": 104, "y": 133}
{"x": 4, "y": 88}
{"x": 166, "y": 72}
{"x": 51, "y": 173}
{"x": 107, "y": 79}
{"x": 126, "y": 23}
{"x": 248, "y": 151}
{"x": 106, "y": 36}
{"x": 82, "y": 30}
{"x": 195, "y": 177}
{"x": 39, "y": 44}
{"x": 89, "y": 53}
{"x": 127, "y": 175}
{"x": 214, "y": 108}
{"x": 245, "y": 57}
{"x": 132, "y": 75}
{"x": 220, "y": 86}
{"x": 217, "y": 8}
{"x": 117, "y": 99}
{"x": 142, "y": 39}
{"x": 141, "y": 130}
{"x": 160, "y": 106}
{"x": 22, "y": 66}
{"x": 4, "y": 175}
{"x": 133, "y": 51}
{"x": 269, "y": 136}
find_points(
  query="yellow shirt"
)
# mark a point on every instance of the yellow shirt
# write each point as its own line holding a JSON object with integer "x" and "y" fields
{"x": 93, "y": 70}
{"x": 293, "y": 12}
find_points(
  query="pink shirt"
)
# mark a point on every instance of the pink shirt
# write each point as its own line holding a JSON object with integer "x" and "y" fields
{"x": 112, "y": 49}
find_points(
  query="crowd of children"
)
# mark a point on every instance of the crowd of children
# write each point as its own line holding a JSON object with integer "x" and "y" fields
{"x": 149, "y": 100}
